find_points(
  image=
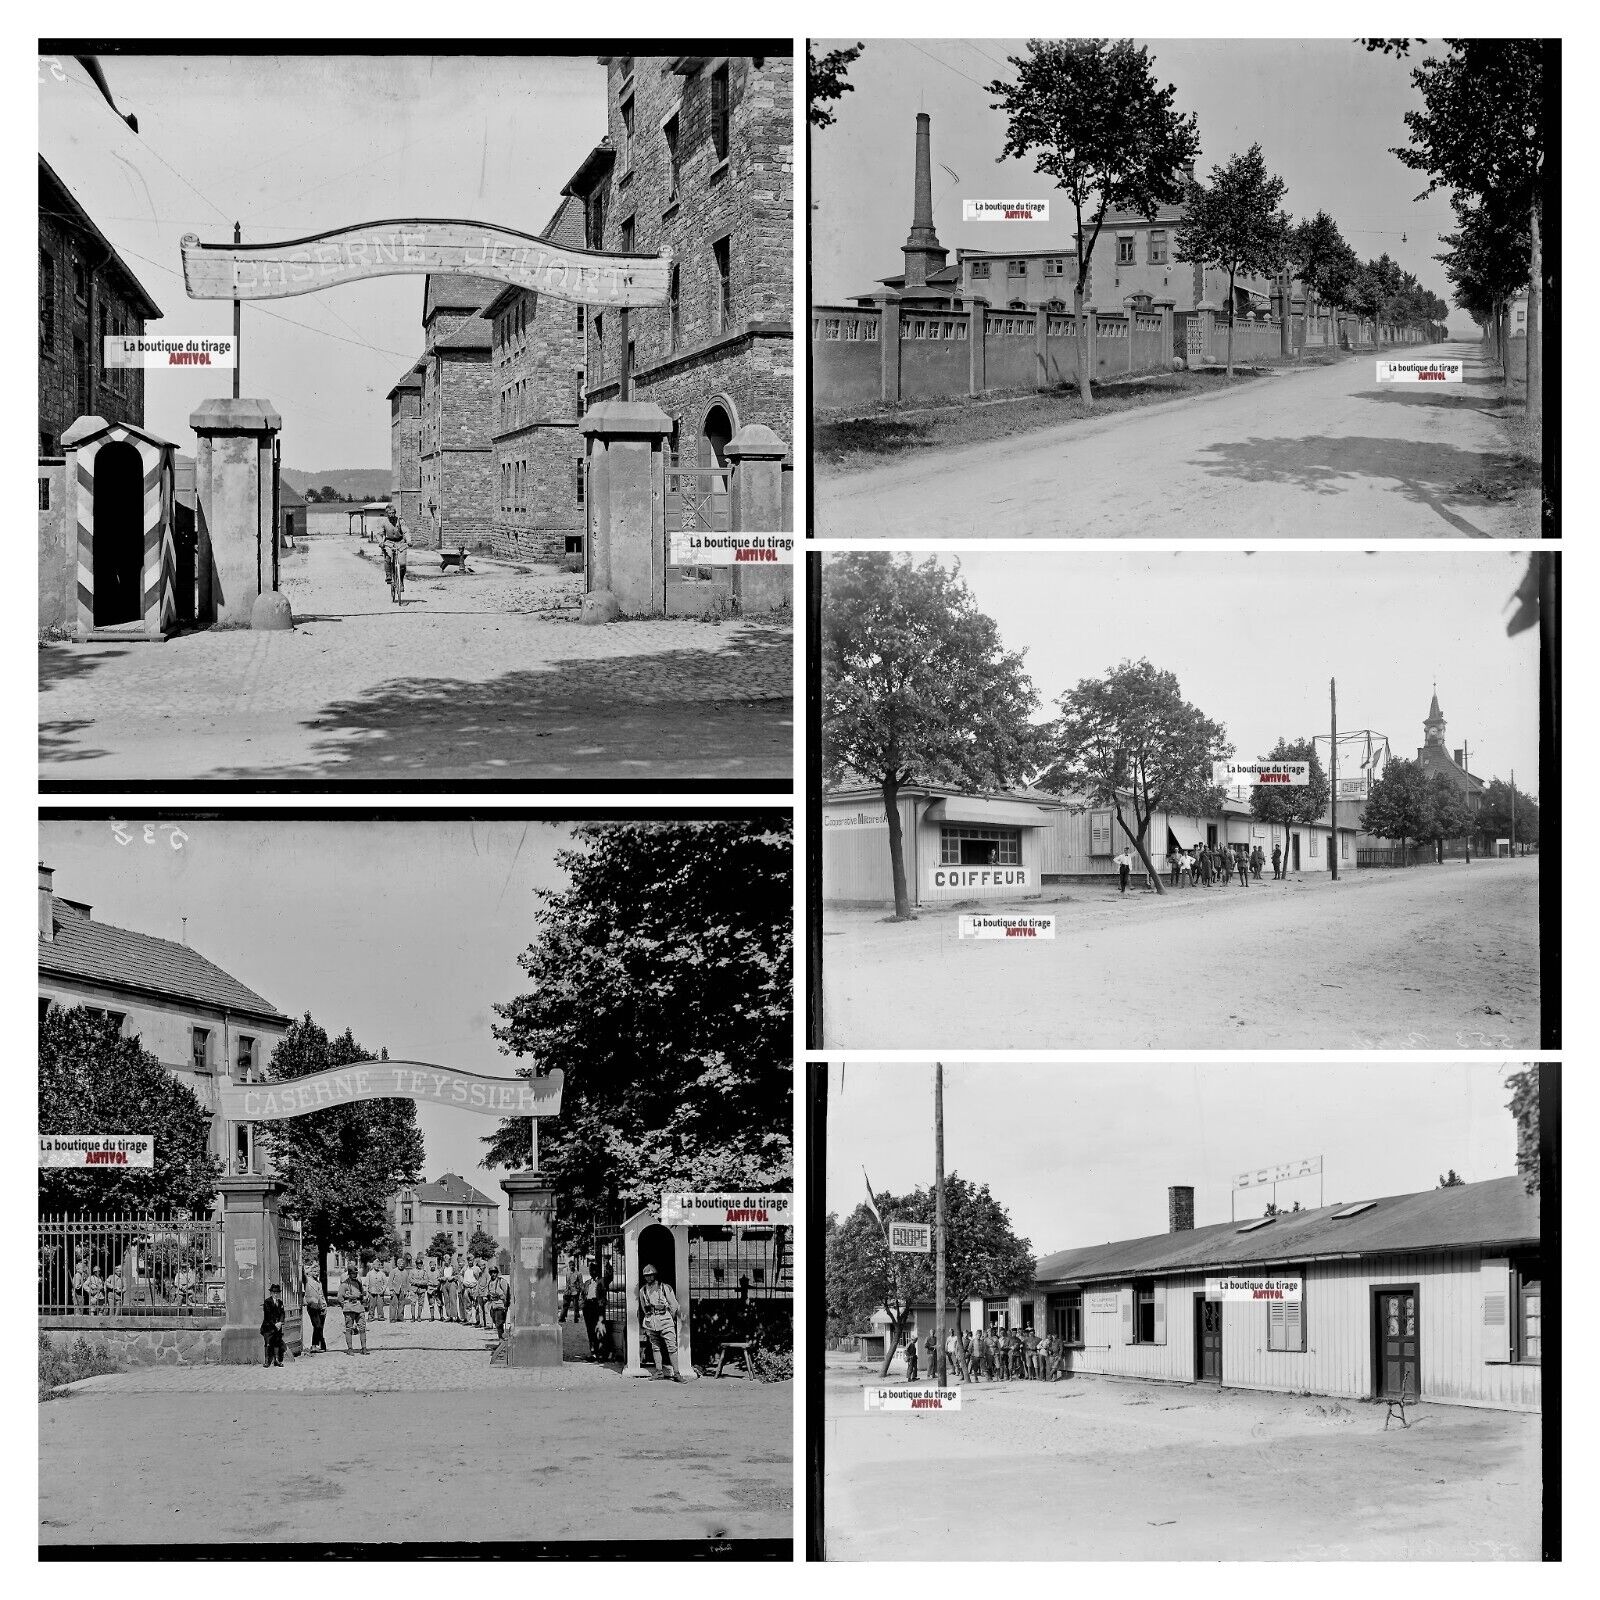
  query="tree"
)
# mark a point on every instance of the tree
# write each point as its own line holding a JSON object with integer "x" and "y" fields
{"x": 916, "y": 687}
{"x": 480, "y": 1247}
{"x": 443, "y": 1246}
{"x": 1285, "y": 807}
{"x": 1235, "y": 224}
{"x": 1487, "y": 263}
{"x": 1130, "y": 741}
{"x": 1400, "y": 805}
{"x": 330, "y": 493}
{"x": 1319, "y": 254}
{"x": 1452, "y": 1180}
{"x": 93, "y": 1079}
{"x": 340, "y": 1164}
{"x": 1495, "y": 815}
{"x": 660, "y": 986}
{"x": 1449, "y": 815}
{"x": 1524, "y": 1107}
{"x": 983, "y": 1256}
{"x": 311, "y": 496}
{"x": 1481, "y": 131}
{"x": 825, "y": 81}
{"x": 1091, "y": 114}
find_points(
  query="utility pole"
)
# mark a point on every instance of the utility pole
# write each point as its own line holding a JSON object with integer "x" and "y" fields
{"x": 1513, "y": 813}
{"x": 938, "y": 1214}
{"x": 1333, "y": 791}
{"x": 236, "y": 329}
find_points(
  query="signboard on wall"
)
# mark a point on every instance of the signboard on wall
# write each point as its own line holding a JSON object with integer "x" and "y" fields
{"x": 1281, "y": 1172}
{"x": 978, "y": 880}
{"x": 853, "y": 819}
{"x": 911, "y": 1238}
{"x": 1103, "y": 1303}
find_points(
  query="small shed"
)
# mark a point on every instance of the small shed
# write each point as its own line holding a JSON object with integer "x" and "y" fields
{"x": 291, "y": 515}
{"x": 120, "y": 482}
{"x": 648, "y": 1242}
{"x": 363, "y": 518}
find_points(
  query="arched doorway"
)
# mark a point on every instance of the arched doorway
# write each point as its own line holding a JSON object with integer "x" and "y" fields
{"x": 118, "y": 535}
{"x": 657, "y": 1249}
{"x": 715, "y": 432}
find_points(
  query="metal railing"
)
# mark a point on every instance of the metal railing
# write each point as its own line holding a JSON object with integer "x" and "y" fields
{"x": 131, "y": 1266}
{"x": 728, "y": 1263}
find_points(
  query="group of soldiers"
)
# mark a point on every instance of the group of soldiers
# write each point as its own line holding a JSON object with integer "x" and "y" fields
{"x": 1218, "y": 864}
{"x": 458, "y": 1289}
{"x": 995, "y": 1355}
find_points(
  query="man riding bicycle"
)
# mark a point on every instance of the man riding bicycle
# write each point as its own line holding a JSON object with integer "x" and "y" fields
{"x": 394, "y": 554}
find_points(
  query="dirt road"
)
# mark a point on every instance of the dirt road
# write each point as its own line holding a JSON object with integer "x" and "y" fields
{"x": 1098, "y": 1469}
{"x": 413, "y": 1442}
{"x": 1434, "y": 958}
{"x": 1322, "y": 452}
{"x": 487, "y": 676}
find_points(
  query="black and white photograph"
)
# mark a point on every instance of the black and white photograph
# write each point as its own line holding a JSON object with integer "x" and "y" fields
{"x": 483, "y": 1123}
{"x": 1184, "y": 800}
{"x": 416, "y": 418}
{"x": 1204, "y": 1312}
{"x": 1201, "y": 288}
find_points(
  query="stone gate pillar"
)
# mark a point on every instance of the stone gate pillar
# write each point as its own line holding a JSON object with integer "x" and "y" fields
{"x": 756, "y": 456}
{"x": 627, "y": 554}
{"x": 977, "y": 349}
{"x": 533, "y": 1336}
{"x": 250, "y": 1262}
{"x": 234, "y": 483}
{"x": 1165, "y": 308}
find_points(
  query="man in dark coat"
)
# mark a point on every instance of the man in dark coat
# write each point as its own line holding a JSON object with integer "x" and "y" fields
{"x": 272, "y": 1315}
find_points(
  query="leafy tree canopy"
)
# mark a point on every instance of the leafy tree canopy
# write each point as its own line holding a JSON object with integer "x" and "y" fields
{"x": 1234, "y": 223}
{"x": 1287, "y": 806}
{"x": 442, "y": 1247}
{"x": 1451, "y": 1180}
{"x": 661, "y": 978}
{"x": 480, "y": 1247}
{"x": 1400, "y": 805}
{"x": 1524, "y": 1107}
{"x": 826, "y": 81}
{"x": 94, "y": 1080}
{"x": 341, "y": 1164}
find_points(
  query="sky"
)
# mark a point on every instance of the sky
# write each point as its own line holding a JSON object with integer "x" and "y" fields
{"x": 1083, "y": 1154}
{"x": 1324, "y": 111}
{"x": 295, "y": 145}
{"x": 1254, "y": 639}
{"x": 405, "y": 933}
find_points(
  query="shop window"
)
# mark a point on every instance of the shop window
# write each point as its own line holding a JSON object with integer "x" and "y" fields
{"x": 980, "y": 847}
{"x": 1158, "y": 246}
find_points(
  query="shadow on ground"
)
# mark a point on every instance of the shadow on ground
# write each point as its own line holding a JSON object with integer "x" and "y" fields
{"x": 618, "y": 716}
{"x": 62, "y": 663}
{"x": 1441, "y": 399}
{"x": 1428, "y": 474}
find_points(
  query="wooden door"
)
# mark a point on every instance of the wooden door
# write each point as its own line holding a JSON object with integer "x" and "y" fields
{"x": 1207, "y": 1339}
{"x": 1398, "y": 1344}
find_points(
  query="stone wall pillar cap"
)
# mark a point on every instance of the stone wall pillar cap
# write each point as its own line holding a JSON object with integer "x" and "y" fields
{"x": 755, "y": 441}
{"x": 235, "y": 416}
{"x": 625, "y": 416}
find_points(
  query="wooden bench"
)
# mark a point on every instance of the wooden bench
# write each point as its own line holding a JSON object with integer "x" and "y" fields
{"x": 737, "y": 1347}
{"x": 453, "y": 558}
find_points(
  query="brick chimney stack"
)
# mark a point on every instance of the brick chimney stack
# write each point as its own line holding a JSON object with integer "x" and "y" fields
{"x": 47, "y": 919}
{"x": 922, "y": 250}
{"x": 1180, "y": 1208}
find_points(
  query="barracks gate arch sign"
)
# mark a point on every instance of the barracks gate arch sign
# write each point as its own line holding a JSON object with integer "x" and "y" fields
{"x": 236, "y": 271}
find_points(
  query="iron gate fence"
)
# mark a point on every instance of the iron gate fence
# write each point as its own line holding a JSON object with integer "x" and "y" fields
{"x": 131, "y": 1265}
{"x": 697, "y": 499}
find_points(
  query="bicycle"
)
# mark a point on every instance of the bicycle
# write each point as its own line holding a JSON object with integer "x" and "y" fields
{"x": 394, "y": 574}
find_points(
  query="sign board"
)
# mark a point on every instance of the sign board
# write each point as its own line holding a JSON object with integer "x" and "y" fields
{"x": 1248, "y": 1290}
{"x": 245, "y": 1259}
{"x": 978, "y": 880}
{"x": 909, "y": 1397}
{"x": 1101, "y": 1304}
{"x": 391, "y": 1080}
{"x": 1282, "y": 1172}
{"x": 1235, "y": 774}
{"x": 911, "y": 1238}
{"x": 79, "y": 1150}
{"x": 420, "y": 245}
{"x": 727, "y": 1210}
{"x": 853, "y": 819}
{"x": 528, "y": 1249}
{"x": 1005, "y": 210}
{"x": 1007, "y": 927}
{"x": 691, "y": 547}
{"x": 150, "y": 350}
{"x": 1352, "y": 788}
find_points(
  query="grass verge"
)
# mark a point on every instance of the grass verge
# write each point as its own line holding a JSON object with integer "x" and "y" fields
{"x": 59, "y": 1365}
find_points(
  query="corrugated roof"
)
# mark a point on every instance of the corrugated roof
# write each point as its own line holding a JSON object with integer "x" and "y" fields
{"x": 99, "y": 953}
{"x": 1499, "y": 1213}
{"x": 452, "y": 1189}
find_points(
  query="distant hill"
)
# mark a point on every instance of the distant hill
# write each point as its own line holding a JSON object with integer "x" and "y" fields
{"x": 363, "y": 483}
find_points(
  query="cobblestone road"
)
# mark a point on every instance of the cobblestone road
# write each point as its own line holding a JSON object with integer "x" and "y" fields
{"x": 420, "y": 1440}
{"x": 482, "y": 676}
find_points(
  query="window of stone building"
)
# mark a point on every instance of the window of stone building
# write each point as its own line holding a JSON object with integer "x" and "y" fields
{"x": 719, "y": 112}
{"x": 669, "y": 134}
{"x": 600, "y": 342}
{"x": 80, "y": 283}
{"x": 625, "y": 67}
{"x": 200, "y": 1048}
{"x": 47, "y": 447}
{"x": 1158, "y": 246}
{"x": 577, "y": 477}
{"x": 1016, "y": 269}
{"x": 626, "y": 245}
{"x": 1125, "y": 250}
{"x": 980, "y": 269}
{"x": 577, "y": 394}
{"x": 47, "y": 300}
{"x": 580, "y": 319}
{"x": 626, "y": 153}
{"x": 83, "y": 374}
{"x": 247, "y": 1057}
{"x": 720, "y": 249}
{"x": 674, "y": 309}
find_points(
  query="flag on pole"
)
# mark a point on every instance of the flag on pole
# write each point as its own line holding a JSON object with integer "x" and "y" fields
{"x": 872, "y": 1203}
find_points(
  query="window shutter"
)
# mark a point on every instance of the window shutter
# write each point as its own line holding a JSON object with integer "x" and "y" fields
{"x": 1294, "y": 1323}
{"x": 1125, "y": 1307}
{"x": 1161, "y": 1313}
{"x": 1494, "y": 1277}
{"x": 1275, "y": 1325}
